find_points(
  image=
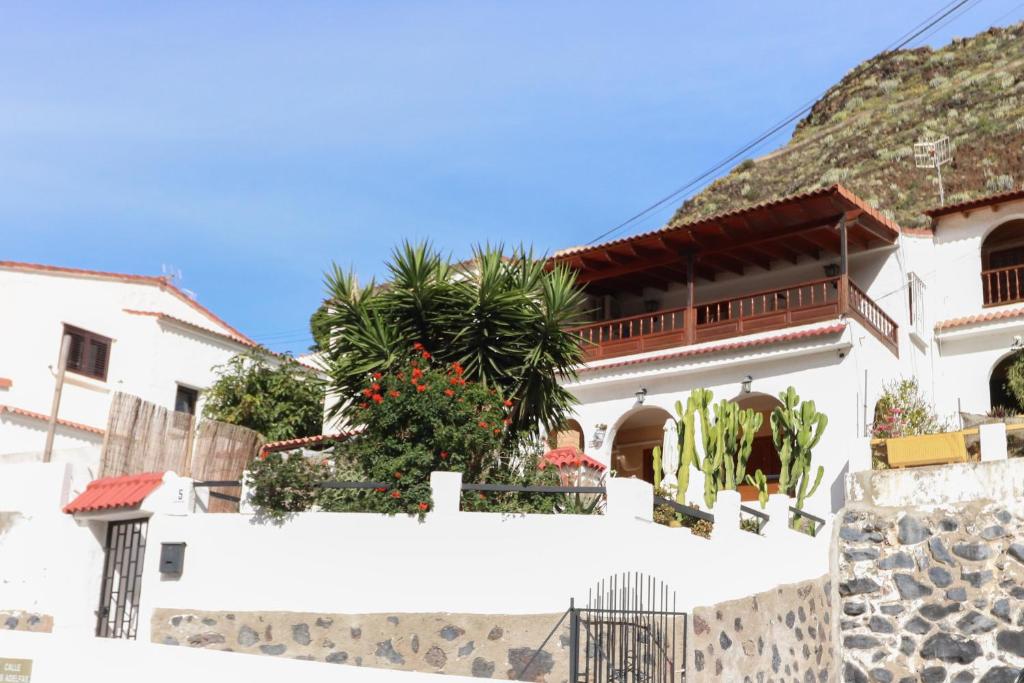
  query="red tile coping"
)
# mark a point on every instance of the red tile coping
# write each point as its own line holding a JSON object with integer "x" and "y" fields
{"x": 289, "y": 444}
{"x": 6, "y": 382}
{"x": 980, "y": 318}
{"x": 163, "y": 282}
{"x": 570, "y": 456}
{"x": 111, "y": 493}
{"x": 731, "y": 346}
{"x": 990, "y": 200}
{"x": 45, "y": 418}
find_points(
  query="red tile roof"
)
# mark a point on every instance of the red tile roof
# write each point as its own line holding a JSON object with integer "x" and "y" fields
{"x": 163, "y": 282}
{"x": 45, "y": 418}
{"x": 289, "y": 444}
{"x": 990, "y": 200}
{"x": 1008, "y": 314}
{"x": 571, "y": 456}
{"x": 731, "y": 346}
{"x": 111, "y": 493}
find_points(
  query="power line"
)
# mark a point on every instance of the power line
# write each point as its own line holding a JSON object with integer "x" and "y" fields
{"x": 901, "y": 42}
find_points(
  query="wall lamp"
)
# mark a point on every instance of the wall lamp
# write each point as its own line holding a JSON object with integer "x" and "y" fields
{"x": 641, "y": 396}
{"x": 747, "y": 381}
{"x": 600, "y": 431}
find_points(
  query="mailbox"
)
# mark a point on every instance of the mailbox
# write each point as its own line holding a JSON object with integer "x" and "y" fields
{"x": 172, "y": 558}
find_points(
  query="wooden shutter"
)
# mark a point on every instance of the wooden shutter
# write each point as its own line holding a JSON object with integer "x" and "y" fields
{"x": 89, "y": 354}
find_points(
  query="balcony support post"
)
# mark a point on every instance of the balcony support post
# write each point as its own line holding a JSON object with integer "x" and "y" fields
{"x": 691, "y": 312}
{"x": 844, "y": 275}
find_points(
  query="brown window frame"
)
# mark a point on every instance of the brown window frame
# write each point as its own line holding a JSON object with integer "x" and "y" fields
{"x": 184, "y": 388}
{"x": 87, "y": 338}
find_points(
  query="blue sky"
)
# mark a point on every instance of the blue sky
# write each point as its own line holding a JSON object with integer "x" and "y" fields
{"x": 250, "y": 144}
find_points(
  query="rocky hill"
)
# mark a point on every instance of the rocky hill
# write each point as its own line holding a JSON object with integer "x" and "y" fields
{"x": 862, "y": 132}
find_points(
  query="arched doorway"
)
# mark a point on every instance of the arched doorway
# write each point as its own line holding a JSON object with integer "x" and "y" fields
{"x": 635, "y": 439}
{"x": 1002, "y": 264}
{"x": 763, "y": 455}
{"x": 998, "y": 393}
{"x": 569, "y": 434}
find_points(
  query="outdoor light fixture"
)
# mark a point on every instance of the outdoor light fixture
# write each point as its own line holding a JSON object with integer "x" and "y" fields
{"x": 746, "y": 384}
{"x": 831, "y": 269}
{"x": 598, "y": 438}
{"x": 641, "y": 396}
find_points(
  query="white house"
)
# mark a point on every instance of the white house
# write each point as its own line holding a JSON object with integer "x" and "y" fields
{"x": 133, "y": 333}
{"x": 819, "y": 291}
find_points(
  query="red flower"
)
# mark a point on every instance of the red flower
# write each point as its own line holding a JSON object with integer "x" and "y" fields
{"x": 424, "y": 507}
{"x": 449, "y": 392}
{"x": 425, "y": 355}
{"x": 377, "y": 398}
{"x": 375, "y": 387}
{"x": 483, "y": 425}
{"x": 364, "y": 405}
{"x": 444, "y": 455}
{"x": 417, "y": 373}
{"x": 453, "y": 381}
{"x": 417, "y": 346}
{"x": 508, "y": 403}
{"x": 324, "y": 462}
{"x": 380, "y": 489}
{"x": 507, "y": 421}
{"x": 421, "y": 388}
{"x": 398, "y": 475}
{"x": 396, "y": 494}
{"x": 394, "y": 394}
{"x": 377, "y": 375}
{"x": 497, "y": 431}
{"x": 367, "y": 392}
{"x": 263, "y": 455}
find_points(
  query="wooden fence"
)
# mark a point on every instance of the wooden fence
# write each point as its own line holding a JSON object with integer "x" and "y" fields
{"x": 144, "y": 437}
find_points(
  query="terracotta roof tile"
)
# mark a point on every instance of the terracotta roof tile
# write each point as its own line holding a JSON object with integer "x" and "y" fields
{"x": 978, "y": 203}
{"x": 571, "y": 456}
{"x": 289, "y": 444}
{"x": 730, "y": 346}
{"x": 160, "y": 281}
{"x": 45, "y": 418}
{"x": 111, "y": 493}
{"x": 1007, "y": 314}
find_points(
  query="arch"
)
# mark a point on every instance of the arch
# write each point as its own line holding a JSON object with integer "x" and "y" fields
{"x": 636, "y": 434}
{"x": 569, "y": 434}
{"x": 998, "y": 394}
{"x": 763, "y": 455}
{"x": 1002, "y": 263}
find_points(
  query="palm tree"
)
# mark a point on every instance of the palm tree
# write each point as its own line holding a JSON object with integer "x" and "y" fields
{"x": 502, "y": 317}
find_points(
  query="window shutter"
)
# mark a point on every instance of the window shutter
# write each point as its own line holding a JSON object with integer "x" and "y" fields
{"x": 89, "y": 353}
{"x": 75, "y": 352}
{"x": 99, "y": 352}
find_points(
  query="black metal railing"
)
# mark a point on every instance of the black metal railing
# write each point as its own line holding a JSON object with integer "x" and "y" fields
{"x": 512, "y": 488}
{"x": 760, "y": 518}
{"x": 685, "y": 509}
{"x": 816, "y": 522}
{"x": 227, "y": 484}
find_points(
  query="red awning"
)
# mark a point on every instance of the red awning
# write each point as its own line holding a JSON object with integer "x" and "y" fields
{"x": 111, "y": 493}
{"x": 571, "y": 456}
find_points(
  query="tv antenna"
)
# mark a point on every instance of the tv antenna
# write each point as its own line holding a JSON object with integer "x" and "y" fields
{"x": 934, "y": 155}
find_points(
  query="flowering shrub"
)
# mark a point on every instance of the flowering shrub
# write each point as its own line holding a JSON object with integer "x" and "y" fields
{"x": 903, "y": 411}
{"x": 285, "y": 483}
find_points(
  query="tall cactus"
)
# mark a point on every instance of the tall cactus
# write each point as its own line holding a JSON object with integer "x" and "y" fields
{"x": 657, "y": 467}
{"x": 686, "y": 426}
{"x": 796, "y": 429}
{"x": 728, "y": 442}
{"x": 760, "y": 482}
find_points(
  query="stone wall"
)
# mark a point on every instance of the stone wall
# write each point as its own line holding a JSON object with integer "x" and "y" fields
{"x": 480, "y": 645}
{"x": 17, "y": 620}
{"x": 931, "y": 594}
{"x": 784, "y": 634}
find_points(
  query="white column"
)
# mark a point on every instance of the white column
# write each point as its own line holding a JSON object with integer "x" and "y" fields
{"x": 860, "y": 454}
{"x": 727, "y": 515}
{"x": 446, "y": 492}
{"x": 629, "y": 499}
{"x": 993, "y": 441}
{"x": 669, "y": 454}
{"x": 778, "y": 512}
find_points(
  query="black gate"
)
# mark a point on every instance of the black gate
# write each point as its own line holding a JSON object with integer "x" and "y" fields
{"x": 118, "y": 615}
{"x": 629, "y": 632}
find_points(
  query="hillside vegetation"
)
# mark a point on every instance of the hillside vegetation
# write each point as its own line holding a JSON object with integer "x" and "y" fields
{"x": 862, "y": 132}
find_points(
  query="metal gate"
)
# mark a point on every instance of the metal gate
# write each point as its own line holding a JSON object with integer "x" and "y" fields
{"x": 118, "y": 614}
{"x": 629, "y": 632}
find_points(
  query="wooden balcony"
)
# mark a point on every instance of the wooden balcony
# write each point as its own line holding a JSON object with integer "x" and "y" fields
{"x": 775, "y": 309}
{"x": 1002, "y": 285}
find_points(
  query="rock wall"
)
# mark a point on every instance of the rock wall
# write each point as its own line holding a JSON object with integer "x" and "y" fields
{"x": 931, "y": 595}
{"x": 480, "y": 645}
{"x": 784, "y": 634}
{"x": 17, "y": 620}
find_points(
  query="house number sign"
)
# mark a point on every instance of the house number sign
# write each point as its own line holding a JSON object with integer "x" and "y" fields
{"x": 15, "y": 670}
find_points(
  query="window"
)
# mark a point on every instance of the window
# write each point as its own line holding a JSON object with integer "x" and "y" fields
{"x": 89, "y": 354}
{"x": 185, "y": 400}
{"x": 915, "y": 301}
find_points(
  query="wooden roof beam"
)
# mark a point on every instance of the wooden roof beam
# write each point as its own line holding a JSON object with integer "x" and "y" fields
{"x": 626, "y": 269}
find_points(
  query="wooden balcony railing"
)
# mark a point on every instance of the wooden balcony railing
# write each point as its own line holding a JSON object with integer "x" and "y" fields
{"x": 799, "y": 304}
{"x": 1002, "y": 285}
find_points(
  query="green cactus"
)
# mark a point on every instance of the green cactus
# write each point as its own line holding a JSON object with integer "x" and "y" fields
{"x": 760, "y": 482}
{"x": 796, "y": 429}
{"x": 657, "y": 467}
{"x": 686, "y": 426}
{"x": 728, "y": 442}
